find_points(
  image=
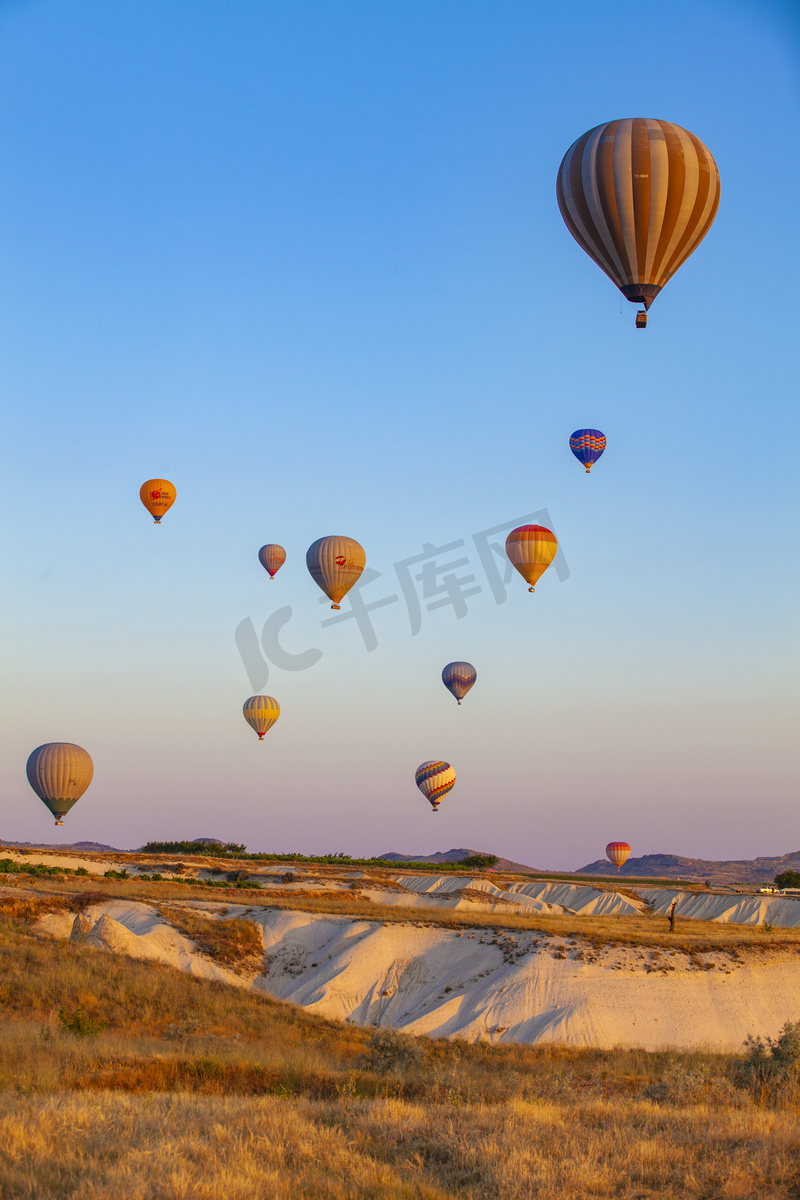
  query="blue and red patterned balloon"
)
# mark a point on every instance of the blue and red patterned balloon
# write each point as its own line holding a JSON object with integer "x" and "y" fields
{"x": 587, "y": 445}
{"x": 458, "y": 678}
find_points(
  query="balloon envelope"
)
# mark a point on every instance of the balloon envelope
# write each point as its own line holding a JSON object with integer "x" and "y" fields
{"x": 531, "y": 548}
{"x": 587, "y": 445}
{"x": 272, "y": 557}
{"x": 157, "y": 495}
{"x": 335, "y": 563}
{"x": 618, "y": 853}
{"x": 59, "y": 773}
{"x": 458, "y": 678}
{"x": 435, "y": 779}
{"x": 638, "y": 196}
{"x": 261, "y": 713}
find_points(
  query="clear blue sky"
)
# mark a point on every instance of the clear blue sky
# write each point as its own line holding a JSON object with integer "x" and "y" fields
{"x": 305, "y": 260}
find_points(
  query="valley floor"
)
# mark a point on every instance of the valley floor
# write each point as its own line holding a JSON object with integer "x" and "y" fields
{"x": 123, "y": 1078}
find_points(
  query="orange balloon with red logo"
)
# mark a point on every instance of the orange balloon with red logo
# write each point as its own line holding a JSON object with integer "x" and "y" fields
{"x": 335, "y": 563}
{"x": 157, "y": 495}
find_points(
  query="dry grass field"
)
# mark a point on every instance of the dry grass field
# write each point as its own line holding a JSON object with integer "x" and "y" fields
{"x": 121, "y": 1078}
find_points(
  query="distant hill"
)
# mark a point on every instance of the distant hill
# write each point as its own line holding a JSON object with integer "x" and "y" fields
{"x": 441, "y": 856}
{"x": 100, "y": 847}
{"x": 746, "y": 871}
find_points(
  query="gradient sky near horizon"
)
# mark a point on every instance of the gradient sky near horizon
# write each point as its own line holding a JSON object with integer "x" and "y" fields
{"x": 305, "y": 260}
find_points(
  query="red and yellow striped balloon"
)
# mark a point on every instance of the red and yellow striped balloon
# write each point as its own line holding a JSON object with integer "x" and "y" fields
{"x": 639, "y": 196}
{"x": 618, "y": 853}
{"x": 531, "y": 548}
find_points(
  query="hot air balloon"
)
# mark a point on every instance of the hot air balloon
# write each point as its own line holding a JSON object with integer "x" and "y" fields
{"x": 435, "y": 779}
{"x": 638, "y": 196}
{"x": 272, "y": 557}
{"x": 531, "y": 548}
{"x": 59, "y": 773}
{"x": 458, "y": 678}
{"x": 157, "y": 495}
{"x": 261, "y": 713}
{"x": 618, "y": 853}
{"x": 587, "y": 445}
{"x": 335, "y": 564}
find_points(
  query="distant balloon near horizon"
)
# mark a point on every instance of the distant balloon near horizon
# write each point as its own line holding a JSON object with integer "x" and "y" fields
{"x": 157, "y": 495}
{"x": 458, "y": 678}
{"x": 587, "y": 445}
{"x": 59, "y": 773}
{"x": 618, "y": 853}
{"x": 435, "y": 779}
{"x": 531, "y": 549}
{"x": 638, "y": 195}
{"x": 335, "y": 563}
{"x": 272, "y": 557}
{"x": 261, "y": 713}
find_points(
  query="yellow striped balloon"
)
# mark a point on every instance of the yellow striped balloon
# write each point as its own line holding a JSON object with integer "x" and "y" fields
{"x": 638, "y": 196}
{"x": 261, "y": 713}
{"x": 59, "y": 773}
{"x": 335, "y": 563}
{"x": 531, "y": 549}
{"x": 157, "y": 495}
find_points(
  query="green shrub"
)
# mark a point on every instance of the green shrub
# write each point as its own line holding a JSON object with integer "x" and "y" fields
{"x": 790, "y": 879}
{"x": 770, "y": 1065}
{"x": 213, "y": 849}
{"x": 80, "y": 1023}
{"x": 9, "y": 867}
{"x": 389, "y": 1050}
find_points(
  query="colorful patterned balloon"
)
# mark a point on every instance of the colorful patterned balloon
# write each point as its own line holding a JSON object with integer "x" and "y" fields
{"x": 435, "y": 779}
{"x": 272, "y": 557}
{"x": 157, "y": 495}
{"x": 335, "y": 563}
{"x": 587, "y": 445}
{"x": 261, "y": 713}
{"x": 618, "y": 853}
{"x": 59, "y": 773}
{"x": 458, "y": 678}
{"x": 531, "y": 549}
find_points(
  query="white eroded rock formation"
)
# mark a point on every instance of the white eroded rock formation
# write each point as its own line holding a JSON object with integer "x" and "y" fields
{"x": 493, "y": 984}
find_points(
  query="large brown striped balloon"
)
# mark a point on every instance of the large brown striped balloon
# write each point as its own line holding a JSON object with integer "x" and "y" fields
{"x": 638, "y": 196}
{"x": 59, "y": 773}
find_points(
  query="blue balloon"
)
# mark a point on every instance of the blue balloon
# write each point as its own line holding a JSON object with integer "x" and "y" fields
{"x": 587, "y": 445}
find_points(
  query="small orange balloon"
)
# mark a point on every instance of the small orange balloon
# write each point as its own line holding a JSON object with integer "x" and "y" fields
{"x": 157, "y": 495}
